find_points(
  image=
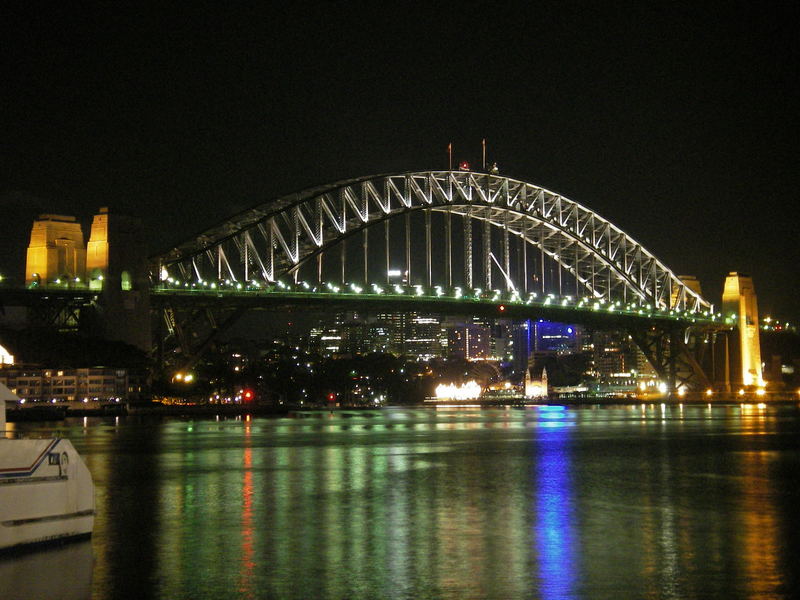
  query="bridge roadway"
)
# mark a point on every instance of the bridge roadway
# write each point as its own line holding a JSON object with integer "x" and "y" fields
{"x": 438, "y": 300}
{"x": 494, "y": 304}
{"x": 13, "y": 296}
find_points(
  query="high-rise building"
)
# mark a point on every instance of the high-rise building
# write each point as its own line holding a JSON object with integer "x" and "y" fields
{"x": 394, "y": 326}
{"x": 522, "y": 345}
{"x": 560, "y": 338}
{"x": 422, "y": 336}
{"x": 469, "y": 341}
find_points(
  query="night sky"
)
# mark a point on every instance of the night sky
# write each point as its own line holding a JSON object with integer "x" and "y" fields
{"x": 679, "y": 123}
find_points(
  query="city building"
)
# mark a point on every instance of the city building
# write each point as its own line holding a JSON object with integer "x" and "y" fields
{"x": 469, "y": 341}
{"x": 69, "y": 385}
{"x": 522, "y": 345}
{"x": 422, "y": 339}
{"x": 559, "y": 338}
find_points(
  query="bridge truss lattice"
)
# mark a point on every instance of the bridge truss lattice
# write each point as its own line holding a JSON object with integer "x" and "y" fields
{"x": 451, "y": 228}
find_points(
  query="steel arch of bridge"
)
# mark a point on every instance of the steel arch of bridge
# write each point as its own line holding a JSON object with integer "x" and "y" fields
{"x": 277, "y": 238}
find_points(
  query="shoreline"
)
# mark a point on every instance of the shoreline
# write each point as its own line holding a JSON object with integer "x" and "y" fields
{"x": 55, "y": 412}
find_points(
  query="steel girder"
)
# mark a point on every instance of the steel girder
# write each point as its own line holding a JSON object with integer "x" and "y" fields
{"x": 190, "y": 331}
{"x": 276, "y": 238}
{"x": 677, "y": 353}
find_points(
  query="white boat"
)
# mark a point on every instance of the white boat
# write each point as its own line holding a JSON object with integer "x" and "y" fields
{"x": 46, "y": 491}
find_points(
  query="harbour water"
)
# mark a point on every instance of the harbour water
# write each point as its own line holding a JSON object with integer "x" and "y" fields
{"x": 644, "y": 501}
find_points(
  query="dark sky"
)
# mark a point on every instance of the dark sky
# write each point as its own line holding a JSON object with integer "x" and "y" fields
{"x": 677, "y": 122}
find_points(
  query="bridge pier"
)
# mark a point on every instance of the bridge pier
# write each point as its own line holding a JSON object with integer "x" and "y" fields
{"x": 739, "y": 303}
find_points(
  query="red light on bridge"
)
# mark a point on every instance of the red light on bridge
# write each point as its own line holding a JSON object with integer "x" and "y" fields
{"x": 463, "y": 166}
{"x": 331, "y": 397}
{"x": 248, "y": 395}
{"x": 502, "y": 308}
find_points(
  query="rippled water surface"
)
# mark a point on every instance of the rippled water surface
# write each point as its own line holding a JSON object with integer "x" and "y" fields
{"x": 616, "y": 502}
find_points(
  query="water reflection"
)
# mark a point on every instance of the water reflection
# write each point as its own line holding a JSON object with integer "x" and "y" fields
{"x": 760, "y": 526}
{"x": 60, "y": 572}
{"x": 634, "y": 502}
{"x": 247, "y": 548}
{"x": 554, "y": 508}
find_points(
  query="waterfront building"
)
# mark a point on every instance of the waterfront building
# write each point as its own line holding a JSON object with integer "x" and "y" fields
{"x": 536, "y": 387}
{"x": 69, "y": 385}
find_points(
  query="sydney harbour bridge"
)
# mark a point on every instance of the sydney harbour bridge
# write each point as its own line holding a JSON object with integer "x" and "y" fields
{"x": 457, "y": 242}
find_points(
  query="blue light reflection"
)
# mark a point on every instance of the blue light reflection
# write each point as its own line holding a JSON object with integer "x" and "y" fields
{"x": 554, "y": 527}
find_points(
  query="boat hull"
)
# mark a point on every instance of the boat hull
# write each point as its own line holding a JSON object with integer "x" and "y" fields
{"x": 46, "y": 493}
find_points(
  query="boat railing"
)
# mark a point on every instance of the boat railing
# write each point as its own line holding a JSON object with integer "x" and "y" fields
{"x": 12, "y": 434}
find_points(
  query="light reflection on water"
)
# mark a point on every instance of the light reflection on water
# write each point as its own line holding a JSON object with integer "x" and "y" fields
{"x": 548, "y": 502}
{"x": 554, "y": 510}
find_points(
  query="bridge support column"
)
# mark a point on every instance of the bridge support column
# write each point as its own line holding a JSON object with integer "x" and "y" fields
{"x": 428, "y": 259}
{"x": 365, "y": 247}
{"x": 343, "y": 245}
{"x": 386, "y": 241}
{"x": 116, "y": 258}
{"x": 468, "y": 249}
{"x": 448, "y": 249}
{"x": 408, "y": 248}
{"x": 541, "y": 248}
{"x": 487, "y": 251}
{"x": 506, "y": 253}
